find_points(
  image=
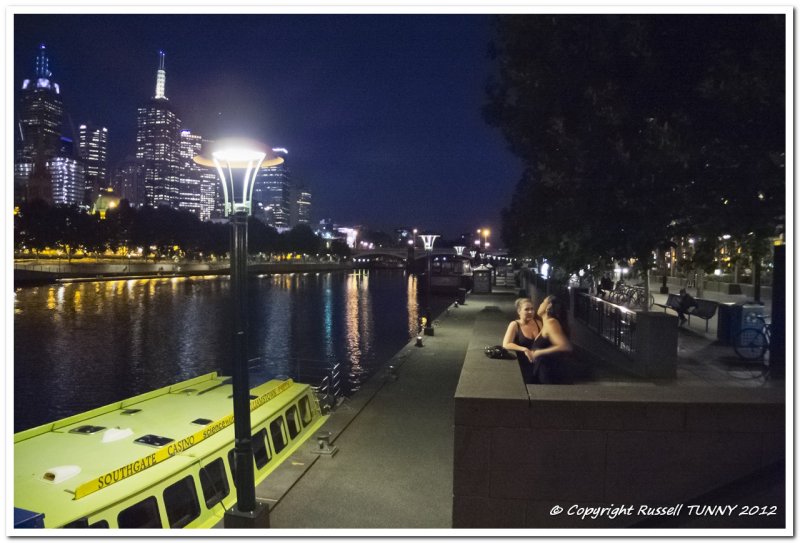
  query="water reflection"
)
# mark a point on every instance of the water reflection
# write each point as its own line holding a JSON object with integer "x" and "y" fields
{"x": 82, "y": 345}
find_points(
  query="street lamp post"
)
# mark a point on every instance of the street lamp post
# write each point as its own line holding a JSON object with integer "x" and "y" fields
{"x": 427, "y": 240}
{"x": 237, "y": 163}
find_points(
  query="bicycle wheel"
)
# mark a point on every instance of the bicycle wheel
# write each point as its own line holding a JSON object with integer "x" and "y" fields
{"x": 750, "y": 344}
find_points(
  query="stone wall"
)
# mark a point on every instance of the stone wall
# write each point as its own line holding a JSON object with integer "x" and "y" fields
{"x": 520, "y": 451}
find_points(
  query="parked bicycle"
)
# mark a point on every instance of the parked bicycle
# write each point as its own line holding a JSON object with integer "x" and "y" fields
{"x": 753, "y": 340}
{"x": 630, "y": 297}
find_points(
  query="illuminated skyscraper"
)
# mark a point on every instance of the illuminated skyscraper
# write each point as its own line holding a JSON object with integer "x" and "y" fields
{"x": 272, "y": 190}
{"x": 67, "y": 174}
{"x": 38, "y": 129}
{"x": 190, "y": 174}
{"x": 158, "y": 144}
{"x": 301, "y": 206}
{"x": 211, "y": 200}
{"x": 93, "y": 150}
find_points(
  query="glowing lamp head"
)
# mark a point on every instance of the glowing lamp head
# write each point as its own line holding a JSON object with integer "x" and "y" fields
{"x": 459, "y": 249}
{"x": 238, "y": 162}
{"x": 428, "y": 240}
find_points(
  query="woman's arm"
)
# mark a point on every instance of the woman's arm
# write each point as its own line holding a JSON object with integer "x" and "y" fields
{"x": 558, "y": 339}
{"x": 508, "y": 341}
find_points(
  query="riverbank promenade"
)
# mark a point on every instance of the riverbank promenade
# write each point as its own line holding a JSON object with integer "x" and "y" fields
{"x": 394, "y": 465}
{"x": 394, "y": 462}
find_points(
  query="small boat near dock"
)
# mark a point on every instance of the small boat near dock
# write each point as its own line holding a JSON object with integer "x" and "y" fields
{"x": 163, "y": 459}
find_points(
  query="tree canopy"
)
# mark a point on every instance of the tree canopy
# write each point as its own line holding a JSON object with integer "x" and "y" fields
{"x": 637, "y": 128}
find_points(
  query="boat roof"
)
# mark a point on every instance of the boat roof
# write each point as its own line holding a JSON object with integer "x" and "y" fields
{"x": 196, "y": 414}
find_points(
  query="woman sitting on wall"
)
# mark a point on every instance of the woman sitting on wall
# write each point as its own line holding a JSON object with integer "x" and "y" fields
{"x": 539, "y": 340}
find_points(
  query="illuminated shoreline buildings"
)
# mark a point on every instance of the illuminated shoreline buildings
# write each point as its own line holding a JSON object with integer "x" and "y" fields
{"x": 272, "y": 192}
{"x": 38, "y": 132}
{"x": 158, "y": 145}
{"x": 93, "y": 150}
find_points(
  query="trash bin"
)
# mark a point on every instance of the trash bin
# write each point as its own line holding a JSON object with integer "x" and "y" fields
{"x": 731, "y": 318}
{"x": 482, "y": 281}
{"x": 462, "y": 296}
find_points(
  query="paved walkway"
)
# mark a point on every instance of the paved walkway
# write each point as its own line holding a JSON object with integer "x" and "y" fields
{"x": 394, "y": 468}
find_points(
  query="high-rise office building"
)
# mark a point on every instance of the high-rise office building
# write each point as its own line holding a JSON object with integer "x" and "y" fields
{"x": 210, "y": 191}
{"x": 190, "y": 173}
{"x": 128, "y": 181}
{"x": 272, "y": 190}
{"x": 67, "y": 174}
{"x": 158, "y": 144}
{"x": 93, "y": 150}
{"x": 38, "y": 129}
{"x": 301, "y": 205}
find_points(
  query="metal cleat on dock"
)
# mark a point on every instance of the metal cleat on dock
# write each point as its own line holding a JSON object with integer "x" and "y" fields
{"x": 324, "y": 445}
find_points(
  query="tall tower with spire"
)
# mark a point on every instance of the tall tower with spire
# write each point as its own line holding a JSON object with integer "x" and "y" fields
{"x": 158, "y": 145}
{"x": 38, "y": 131}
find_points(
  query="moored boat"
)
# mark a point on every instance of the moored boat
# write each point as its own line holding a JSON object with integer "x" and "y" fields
{"x": 163, "y": 459}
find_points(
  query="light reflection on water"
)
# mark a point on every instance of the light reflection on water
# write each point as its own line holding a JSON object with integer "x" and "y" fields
{"x": 83, "y": 345}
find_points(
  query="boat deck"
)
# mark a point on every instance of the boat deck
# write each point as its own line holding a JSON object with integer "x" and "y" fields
{"x": 70, "y": 473}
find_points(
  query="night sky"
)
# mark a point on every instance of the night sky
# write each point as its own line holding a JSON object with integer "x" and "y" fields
{"x": 380, "y": 113}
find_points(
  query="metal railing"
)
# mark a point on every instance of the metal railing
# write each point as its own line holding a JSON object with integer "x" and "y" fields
{"x": 615, "y": 323}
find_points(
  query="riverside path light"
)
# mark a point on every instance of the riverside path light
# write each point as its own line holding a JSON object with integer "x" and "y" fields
{"x": 238, "y": 162}
{"x": 427, "y": 241}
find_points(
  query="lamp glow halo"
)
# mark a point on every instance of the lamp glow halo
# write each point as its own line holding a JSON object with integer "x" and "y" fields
{"x": 229, "y": 157}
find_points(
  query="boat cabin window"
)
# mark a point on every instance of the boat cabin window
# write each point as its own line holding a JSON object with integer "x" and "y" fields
{"x": 293, "y": 422}
{"x": 214, "y": 482}
{"x": 261, "y": 448}
{"x": 180, "y": 501}
{"x": 305, "y": 410}
{"x": 141, "y": 515}
{"x": 278, "y": 434}
{"x": 83, "y": 522}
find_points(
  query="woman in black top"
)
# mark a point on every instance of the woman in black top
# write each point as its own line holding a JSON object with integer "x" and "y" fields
{"x": 539, "y": 342}
{"x": 521, "y": 334}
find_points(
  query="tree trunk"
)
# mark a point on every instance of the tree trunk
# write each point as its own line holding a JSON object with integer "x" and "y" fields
{"x": 699, "y": 277}
{"x": 757, "y": 278}
{"x": 646, "y": 289}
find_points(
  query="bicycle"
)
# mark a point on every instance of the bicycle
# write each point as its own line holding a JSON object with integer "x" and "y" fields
{"x": 752, "y": 342}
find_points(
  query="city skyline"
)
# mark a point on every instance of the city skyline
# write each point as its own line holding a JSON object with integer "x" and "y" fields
{"x": 386, "y": 131}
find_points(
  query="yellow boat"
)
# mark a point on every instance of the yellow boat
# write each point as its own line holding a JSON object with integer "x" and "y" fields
{"x": 158, "y": 460}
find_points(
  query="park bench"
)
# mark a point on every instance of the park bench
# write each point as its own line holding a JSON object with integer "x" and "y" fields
{"x": 672, "y": 303}
{"x": 705, "y": 309}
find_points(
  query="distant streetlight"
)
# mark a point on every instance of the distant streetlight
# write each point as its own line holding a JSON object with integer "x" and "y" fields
{"x": 427, "y": 240}
{"x": 237, "y": 162}
{"x": 459, "y": 249}
{"x": 485, "y": 233}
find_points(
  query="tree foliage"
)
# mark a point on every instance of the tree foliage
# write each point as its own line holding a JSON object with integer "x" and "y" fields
{"x": 635, "y": 128}
{"x": 160, "y": 232}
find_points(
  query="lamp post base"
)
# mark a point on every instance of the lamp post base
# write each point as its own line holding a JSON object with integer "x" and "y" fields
{"x": 247, "y": 519}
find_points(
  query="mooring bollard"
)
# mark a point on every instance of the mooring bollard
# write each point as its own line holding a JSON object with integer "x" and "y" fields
{"x": 392, "y": 373}
{"x": 419, "y": 341}
{"x": 324, "y": 444}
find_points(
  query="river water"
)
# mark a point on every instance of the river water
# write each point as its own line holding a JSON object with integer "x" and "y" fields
{"x": 78, "y": 346}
